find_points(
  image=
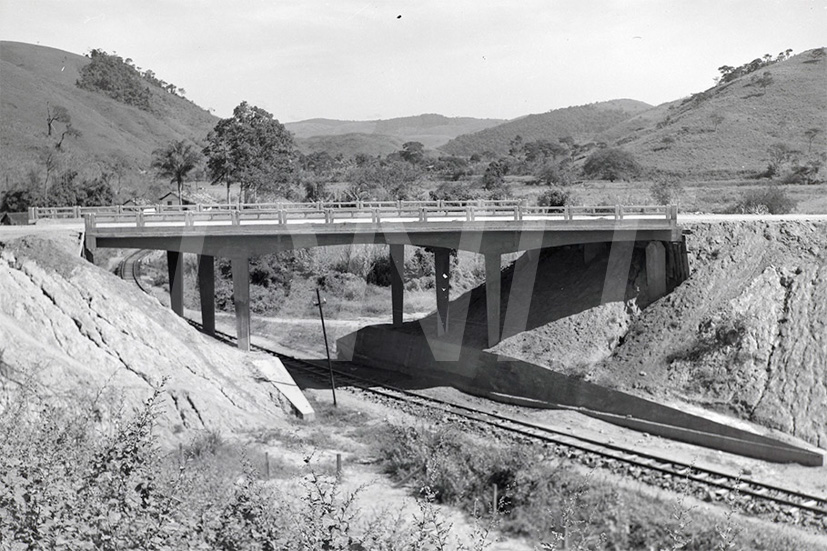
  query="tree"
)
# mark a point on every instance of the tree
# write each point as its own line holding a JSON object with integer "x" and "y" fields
{"x": 55, "y": 114}
{"x": 413, "y": 152}
{"x": 611, "y": 164}
{"x": 811, "y": 134}
{"x": 175, "y": 161}
{"x": 250, "y": 148}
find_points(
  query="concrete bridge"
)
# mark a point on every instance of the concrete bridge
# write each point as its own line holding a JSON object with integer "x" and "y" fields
{"x": 490, "y": 228}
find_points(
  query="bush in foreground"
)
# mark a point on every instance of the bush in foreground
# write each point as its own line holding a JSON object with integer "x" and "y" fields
{"x": 770, "y": 200}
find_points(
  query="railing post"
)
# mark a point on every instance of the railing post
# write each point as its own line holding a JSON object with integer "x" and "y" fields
{"x": 328, "y": 216}
{"x": 32, "y": 214}
{"x": 672, "y": 212}
{"x": 188, "y": 219}
{"x": 76, "y": 212}
{"x": 374, "y": 215}
{"x": 234, "y": 217}
{"x": 518, "y": 212}
{"x": 469, "y": 214}
{"x": 423, "y": 217}
{"x": 619, "y": 212}
{"x": 139, "y": 219}
{"x": 282, "y": 216}
{"x": 566, "y": 213}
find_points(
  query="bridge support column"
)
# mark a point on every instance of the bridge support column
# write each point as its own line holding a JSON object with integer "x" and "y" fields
{"x": 206, "y": 289}
{"x": 655, "y": 270}
{"x": 397, "y": 282}
{"x": 175, "y": 269}
{"x": 241, "y": 301}
{"x": 442, "y": 283}
{"x": 492, "y": 296}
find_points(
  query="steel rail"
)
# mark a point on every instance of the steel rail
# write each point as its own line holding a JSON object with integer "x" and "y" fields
{"x": 737, "y": 485}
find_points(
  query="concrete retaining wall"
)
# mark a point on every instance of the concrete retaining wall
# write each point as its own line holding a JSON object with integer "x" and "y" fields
{"x": 510, "y": 380}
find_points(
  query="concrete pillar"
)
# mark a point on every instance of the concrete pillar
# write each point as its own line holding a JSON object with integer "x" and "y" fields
{"x": 175, "y": 269}
{"x": 241, "y": 301}
{"x": 492, "y": 296}
{"x": 397, "y": 282}
{"x": 206, "y": 289}
{"x": 655, "y": 270}
{"x": 442, "y": 282}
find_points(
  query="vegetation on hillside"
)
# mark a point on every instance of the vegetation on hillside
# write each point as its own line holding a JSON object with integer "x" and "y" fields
{"x": 118, "y": 78}
{"x": 582, "y": 122}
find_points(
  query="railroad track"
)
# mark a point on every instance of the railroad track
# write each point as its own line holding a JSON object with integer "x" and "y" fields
{"x": 749, "y": 496}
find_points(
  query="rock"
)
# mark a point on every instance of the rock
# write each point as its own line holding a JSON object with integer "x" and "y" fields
{"x": 73, "y": 328}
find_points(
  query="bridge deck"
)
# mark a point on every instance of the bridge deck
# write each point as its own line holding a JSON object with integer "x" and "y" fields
{"x": 475, "y": 226}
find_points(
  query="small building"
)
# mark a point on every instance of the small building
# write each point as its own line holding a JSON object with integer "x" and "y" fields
{"x": 14, "y": 218}
{"x": 189, "y": 198}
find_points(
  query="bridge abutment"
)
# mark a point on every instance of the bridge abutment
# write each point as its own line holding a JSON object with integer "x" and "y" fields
{"x": 175, "y": 269}
{"x": 397, "y": 283}
{"x": 241, "y": 300}
{"x": 206, "y": 291}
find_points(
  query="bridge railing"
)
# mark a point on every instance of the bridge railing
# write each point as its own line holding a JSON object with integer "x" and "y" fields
{"x": 366, "y": 212}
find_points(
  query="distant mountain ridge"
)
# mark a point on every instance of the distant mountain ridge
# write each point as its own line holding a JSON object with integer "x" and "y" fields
{"x": 580, "y": 122}
{"x": 432, "y": 130}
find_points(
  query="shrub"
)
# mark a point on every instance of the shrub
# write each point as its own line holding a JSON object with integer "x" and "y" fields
{"x": 110, "y": 75}
{"x": 554, "y": 197}
{"x": 666, "y": 190}
{"x": 611, "y": 164}
{"x": 771, "y": 200}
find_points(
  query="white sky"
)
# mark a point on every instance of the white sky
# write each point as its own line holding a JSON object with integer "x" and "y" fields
{"x": 359, "y": 60}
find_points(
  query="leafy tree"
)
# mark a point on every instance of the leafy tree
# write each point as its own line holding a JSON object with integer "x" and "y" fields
{"x": 250, "y": 148}
{"x": 413, "y": 152}
{"x": 539, "y": 150}
{"x": 24, "y": 195}
{"x": 554, "y": 197}
{"x": 611, "y": 164}
{"x": 780, "y": 155}
{"x": 110, "y": 75}
{"x": 552, "y": 173}
{"x": 387, "y": 181}
{"x": 175, "y": 161}
{"x": 64, "y": 192}
{"x": 55, "y": 114}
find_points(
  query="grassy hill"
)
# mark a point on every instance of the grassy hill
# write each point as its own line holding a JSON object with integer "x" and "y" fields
{"x": 349, "y": 145}
{"x": 729, "y": 128}
{"x": 430, "y": 129}
{"x": 581, "y": 123}
{"x": 112, "y": 134}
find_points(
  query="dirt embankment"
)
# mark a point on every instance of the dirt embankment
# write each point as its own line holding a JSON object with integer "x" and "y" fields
{"x": 746, "y": 334}
{"x": 70, "y": 328}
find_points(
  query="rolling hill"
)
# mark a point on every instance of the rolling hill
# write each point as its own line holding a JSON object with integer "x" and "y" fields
{"x": 37, "y": 78}
{"x": 581, "y": 123}
{"x": 430, "y": 129}
{"x": 730, "y": 127}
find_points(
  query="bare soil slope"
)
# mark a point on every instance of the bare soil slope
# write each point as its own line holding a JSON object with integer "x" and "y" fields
{"x": 67, "y": 326}
{"x": 746, "y": 334}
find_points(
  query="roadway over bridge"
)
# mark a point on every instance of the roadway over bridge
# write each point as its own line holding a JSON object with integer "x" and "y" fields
{"x": 491, "y": 228}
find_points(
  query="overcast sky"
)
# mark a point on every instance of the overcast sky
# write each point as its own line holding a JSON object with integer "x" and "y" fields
{"x": 362, "y": 60}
